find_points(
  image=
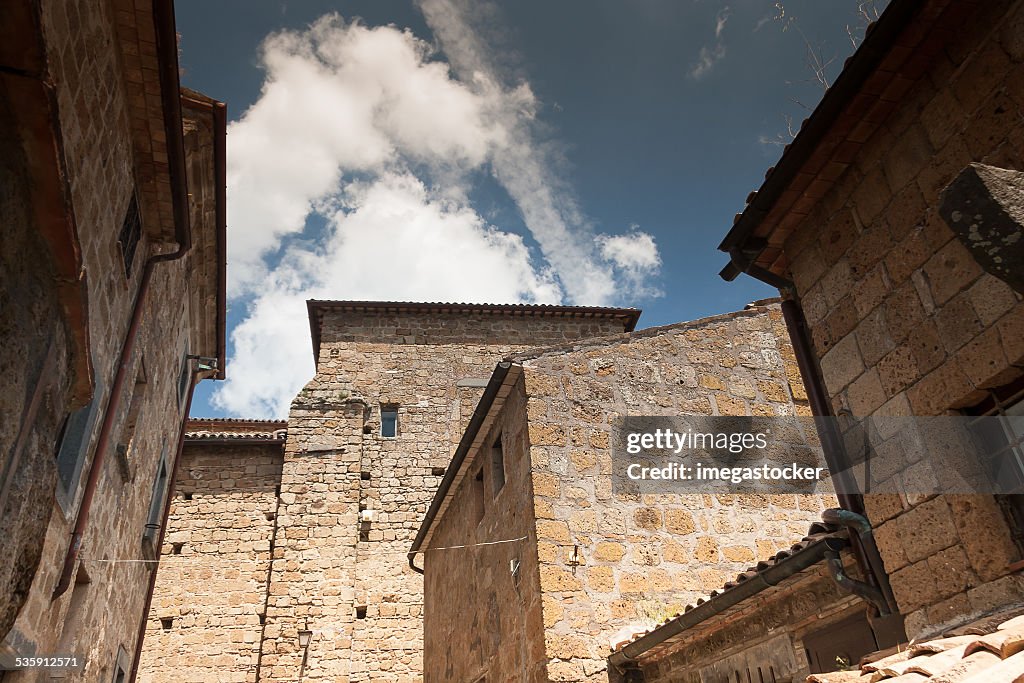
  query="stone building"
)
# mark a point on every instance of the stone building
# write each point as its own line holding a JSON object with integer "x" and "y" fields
{"x": 325, "y": 587}
{"x": 206, "y": 621}
{"x": 111, "y": 285}
{"x": 533, "y": 564}
{"x": 892, "y": 226}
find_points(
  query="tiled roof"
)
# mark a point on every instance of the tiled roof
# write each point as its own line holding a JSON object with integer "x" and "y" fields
{"x": 819, "y": 534}
{"x": 990, "y": 650}
{"x": 235, "y": 429}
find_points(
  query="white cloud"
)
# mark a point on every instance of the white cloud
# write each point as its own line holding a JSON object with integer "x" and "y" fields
{"x": 365, "y": 128}
{"x": 710, "y": 55}
{"x": 392, "y": 241}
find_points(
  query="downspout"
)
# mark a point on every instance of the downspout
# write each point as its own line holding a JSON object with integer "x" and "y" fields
{"x": 865, "y": 549}
{"x": 163, "y": 523}
{"x": 166, "y": 37}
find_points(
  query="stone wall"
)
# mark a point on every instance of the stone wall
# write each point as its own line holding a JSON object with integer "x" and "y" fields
{"x": 206, "y": 618}
{"x": 762, "y": 636}
{"x": 611, "y": 560}
{"x": 594, "y": 562}
{"x": 903, "y": 318}
{"x": 355, "y": 590}
{"x": 99, "y": 616}
{"x": 482, "y": 604}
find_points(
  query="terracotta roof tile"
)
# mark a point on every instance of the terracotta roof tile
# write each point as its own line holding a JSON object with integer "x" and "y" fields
{"x": 234, "y": 429}
{"x": 994, "y": 656}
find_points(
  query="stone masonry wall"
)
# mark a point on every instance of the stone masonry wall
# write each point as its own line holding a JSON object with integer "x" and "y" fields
{"x": 481, "y": 618}
{"x": 205, "y": 622}
{"x": 610, "y": 560}
{"x": 903, "y": 319}
{"x": 99, "y": 616}
{"x": 763, "y": 636}
{"x": 355, "y": 590}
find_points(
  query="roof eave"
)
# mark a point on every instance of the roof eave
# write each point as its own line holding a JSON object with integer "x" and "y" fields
{"x": 859, "y": 67}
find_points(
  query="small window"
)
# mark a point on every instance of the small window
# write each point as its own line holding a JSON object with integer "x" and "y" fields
{"x": 497, "y": 467}
{"x": 123, "y": 665}
{"x": 478, "y": 494}
{"x": 361, "y": 612}
{"x": 156, "y": 504}
{"x": 389, "y": 421}
{"x": 184, "y": 378}
{"x": 166, "y": 623}
{"x": 127, "y": 444}
{"x": 74, "y": 443}
{"x": 131, "y": 232}
{"x": 1007, "y": 402}
{"x": 437, "y": 471}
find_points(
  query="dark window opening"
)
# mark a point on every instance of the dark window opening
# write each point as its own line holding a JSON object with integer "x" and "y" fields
{"x": 389, "y": 421}
{"x": 478, "y": 494}
{"x": 367, "y": 429}
{"x": 176, "y": 548}
{"x": 263, "y": 619}
{"x": 166, "y": 623}
{"x": 131, "y": 233}
{"x": 364, "y": 535}
{"x": 437, "y": 471}
{"x": 361, "y": 612}
{"x": 270, "y": 516}
{"x": 497, "y": 467}
{"x": 187, "y": 496}
{"x": 365, "y": 476}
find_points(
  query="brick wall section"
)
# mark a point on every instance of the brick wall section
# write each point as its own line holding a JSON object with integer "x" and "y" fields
{"x": 414, "y": 361}
{"x": 645, "y": 559}
{"x": 211, "y": 591}
{"x": 903, "y": 319}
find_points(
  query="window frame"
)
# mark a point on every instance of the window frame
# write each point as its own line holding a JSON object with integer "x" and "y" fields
{"x": 996, "y": 404}
{"x": 389, "y": 409}
{"x": 66, "y": 491}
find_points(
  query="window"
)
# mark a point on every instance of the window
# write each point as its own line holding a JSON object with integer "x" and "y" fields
{"x": 184, "y": 378}
{"x": 389, "y": 421}
{"x": 477, "y": 485}
{"x": 131, "y": 232}
{"x": 1007, "y": 447}
{"x": 497, "y": 467}
{"x": 74, "y": 444}
{"x": 122, "y": 667}
{"x": 127, "y": 445}
{"x": 156, "y": 505}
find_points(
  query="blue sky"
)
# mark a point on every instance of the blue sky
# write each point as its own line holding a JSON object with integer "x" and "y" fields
{"x": 577, "y": 152}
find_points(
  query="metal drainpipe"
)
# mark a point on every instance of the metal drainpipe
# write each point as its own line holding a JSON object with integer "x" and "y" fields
{"x": 170, "y": 96}
{"x": 865, "y": 550}
{"x": 109, "y": 418}
{"x": 163, "y": 523}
